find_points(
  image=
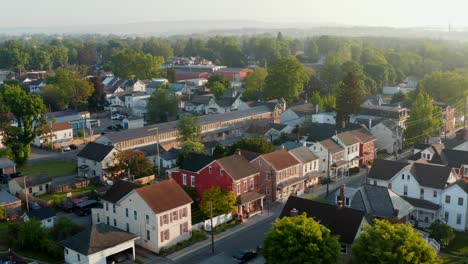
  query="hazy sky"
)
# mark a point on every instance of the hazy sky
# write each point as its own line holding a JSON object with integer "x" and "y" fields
{"x": 399, "y": 13}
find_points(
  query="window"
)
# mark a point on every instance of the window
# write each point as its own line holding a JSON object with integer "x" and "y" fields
{"x": 135, "y": 215}
{"x": 375, "y": 182}
{"x": 252, "y": 183}
{"x": 238, "y": 188}
{"x": 447, "y": 199}
{"x": 165, "y": 220}
{"x": 315, "y": 148}
{"x": 245, "y": 186}
{"x": 407, "y": 177}
{"x": 347, "y": 201}
{"x": 192, "y": 181}
{"x": 66, "y": 251}
{"x": 268, "y": 191}
{"x": 446, "y": 217}
{"x": 115, "y": 222}
{"x": 183, "y": 228}
{"x": 79, "y": 257}
{"x": 107, "y": 206}
{"x": 402, "y": 176}
{"x": 459, "y": 219}
{"x": 166, "y": 234}
{"x": 184, "y": 179}
{"x": 268, "y": 174}
{"x": 107, "y": 220}
{"x": 421, "y": 194}
{"x": 126, "y": 212}
{"x": 221, "y": 172}
{"x": 405, "y": 190}
{"x": 49, "y": 220}
{"x": 113, "y": 208}
{"x": 148, "y": 235}
{"x": 460, "y": 200}
{"x": 435, "y": 194}
{"x": 389, "y": 185}
{"x": 40, "y": 187}
{"x": 174, "y": 215}
{"x": 209, "y": 170}
{"x": 128, "y": 227}
{"x": 98, "y": 218}
{"x": 337, "y": 199}
{"x": 147, "y": 219}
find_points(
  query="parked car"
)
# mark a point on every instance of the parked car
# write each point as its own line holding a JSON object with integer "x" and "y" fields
{"x": 70, "y": 205}
{"x": 33, "y": 205}
{"x": 85, "y": 207}
{"x": 243, "y": 257}
{"x": 118, "y": 117}
{"x": 65, "y": 148}
{"x": 73, "y": 146}
{"x": 118, "y": 258}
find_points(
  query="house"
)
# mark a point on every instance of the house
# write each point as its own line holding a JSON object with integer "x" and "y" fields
{"x": 36, "y": 86}
{"x": 94, "y": 159}
{"x": 154, "y": 84}
{"x": 159, "y": 214}
{"x": 367, "y": 149}
{"x": 298, "y": 114}
{"x": 133, "y": 122}
{"x": 350, "y": 143}
{"x": 448, "y": 117}
{"x": 429, "y": 187}
{"x": 98, "y": 244}
{"x": 389, "y": 135}
{"x": 309, "y": 165}
{"x": 344, "y": 222}
{"x": 55, "y": 133}
{"x": 208, "y": 104}
{"x": 45, "y": 215}
{"x": 136, "y": 103}
{"x": 332, "y": 157}
{"x": 168, "y": 158}
{"x": 373, "y": 100}
{"x": 36, "y": 184}
{"x": 233, "y": 173}
{"x": 134, "y": 86}
{"x": 11, "y": 203}
{"x": 394, "y": 113}
{"x": 324, "y": 118}
{"x": 234, "y": 74}
{"x": 76, "y": 119}
{"x": 188, "y": 75}
{"x": 376, "y": 201}
{"x": 279, "y": 175}
{"x": 7, "y": 166}
{"x": 269, "y": 132}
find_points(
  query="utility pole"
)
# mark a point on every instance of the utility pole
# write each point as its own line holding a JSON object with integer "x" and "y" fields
{"x": 328, "y": 170}
{"x": 157, "y": 155}
{"x": 212, "y": 229}
{"x": 464, "y": 119}
{"x": 26, "y": 193}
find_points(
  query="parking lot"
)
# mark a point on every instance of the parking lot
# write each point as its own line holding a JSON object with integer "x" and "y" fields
{"x": 81, "y": 220}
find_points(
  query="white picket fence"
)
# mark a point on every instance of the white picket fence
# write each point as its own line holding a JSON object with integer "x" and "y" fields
{"x": 206, "y": 225}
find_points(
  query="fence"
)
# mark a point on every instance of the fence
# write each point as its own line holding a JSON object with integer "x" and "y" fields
{"x": 206, "y": 225}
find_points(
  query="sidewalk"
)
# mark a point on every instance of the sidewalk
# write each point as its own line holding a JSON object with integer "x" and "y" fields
{"x": 273, "y": 212}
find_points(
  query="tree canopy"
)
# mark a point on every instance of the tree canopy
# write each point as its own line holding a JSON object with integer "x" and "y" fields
{"x": 133, "y": 162}
{"x": 385, "y": 242}
{"x": 298, "y": 240}
{"x": 257, "y": 145}
{"x": 223, "y": 201}
{"x": 350, "y": 94}
{"x": 162, "y": 104}
{"x": 128, "y": 63}
{"x": 441, "y": 232}
{"x": 446, "y": 87}
{"x": 188, "y": 129}
{"x": 255, "y": 84}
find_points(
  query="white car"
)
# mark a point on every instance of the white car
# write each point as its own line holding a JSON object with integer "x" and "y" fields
{"x": 66, "y": 148}
{"x": 117, "y": 117}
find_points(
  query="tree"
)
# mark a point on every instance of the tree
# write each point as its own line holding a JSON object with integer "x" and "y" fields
{"x": 218, "y": 78}
{"x": 190, "y": 146}
{"x": 161, "y": 105}
{"x": 316, "y": 99}
{"x": 65, "y": 228}
{"x": 128, "y": 63}
{"x": 442, "y": 233}
{"x": 133, "y": 162}
{"x": 223, "y": 201}
{"x": 398, "y": 97}
{"x": 312, "y": 51}
{"x": 425, "y": 119}
{"x": 157, "y": 47}
{"x": 29, "y": 112}
{"x": 188, "y": 129}
{"x": 300, "y": 239}
{"x": 257, "y": 145}
{"x": 171, "y": 75}
{"x": 329, "y": 103}
{"x": 447, "y": 87}
{"x": 217, "y": 89}
{"x": 286, "y": 78}
{"x": 254, "y": 84}
{"x": 3, "y": 213}
{"x": 97, "y": 100}
{"x": 391, "y": 243}
{"x": 350, "y": 94}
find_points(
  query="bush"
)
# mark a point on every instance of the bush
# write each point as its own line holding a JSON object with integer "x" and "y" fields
{"x": 442, "y": 233}
{"x": 80, "y": 133}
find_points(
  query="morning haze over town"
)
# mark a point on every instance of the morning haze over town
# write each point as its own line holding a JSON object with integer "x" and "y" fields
{"x": 212, "y": 132}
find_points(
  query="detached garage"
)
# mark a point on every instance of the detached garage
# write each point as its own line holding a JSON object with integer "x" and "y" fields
{"x": 98, "y": 245}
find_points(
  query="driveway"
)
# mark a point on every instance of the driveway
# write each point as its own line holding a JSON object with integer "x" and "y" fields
{"x": 40, "y": 155}
{"x": 81, "y": 220}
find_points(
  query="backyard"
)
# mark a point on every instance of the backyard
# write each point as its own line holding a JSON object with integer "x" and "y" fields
{"x": 75, "y": 193}
{"x": 55, "y": 168}
{"x": 457, "y": 251}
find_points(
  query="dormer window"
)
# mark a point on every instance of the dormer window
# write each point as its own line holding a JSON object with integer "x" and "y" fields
{"x": 209, "y": 170}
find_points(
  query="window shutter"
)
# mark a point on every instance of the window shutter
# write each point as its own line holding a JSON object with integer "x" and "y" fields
{"x": 168, "y": 234}
{"x": 181, "y": 214}
{"x": 180, "y": 229}
{"x": 160, "y": 220}
{"x": 170, "y": 217}
{"x": 162, "y": 236}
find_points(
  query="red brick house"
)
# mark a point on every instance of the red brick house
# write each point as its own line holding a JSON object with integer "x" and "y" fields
{"x": 233, "y": 173}
{"x": 366, "y": 146}
{"x": 279, "y": 174}
{"x": 234, "y": 74}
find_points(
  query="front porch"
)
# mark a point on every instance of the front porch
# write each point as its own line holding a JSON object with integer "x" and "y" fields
{"x": 425, "y": 213}
{"x": 292, "y": 186}
{"x": 249, "y": 204}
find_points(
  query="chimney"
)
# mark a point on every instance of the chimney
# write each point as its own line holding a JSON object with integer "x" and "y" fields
{"x": 342, "y": 195}
{"x": 294, "y": 212}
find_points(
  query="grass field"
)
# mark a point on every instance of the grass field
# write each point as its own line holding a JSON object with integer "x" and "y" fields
{"x": 54, "y": 168}
{"x": 75, "y": 192}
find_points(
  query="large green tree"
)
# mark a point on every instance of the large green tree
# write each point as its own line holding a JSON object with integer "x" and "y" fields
{"x": 128, "y": 63}
{"x": 257, "y": 145}
{"x": 385, "y": 242}
{"x": 298, "y": 240}
{"x": 442, "y": 233}
{"x": 188, "y": 129}
{"x": 97, "y": 100}
{"x": 29, "y": 112}
{"x": 222, "y": 201}
{"x": 447, "y": 87}
{"x": 133, "y": 162}
{"x": 425, "y": 119}
{"x": 286, "y": 78}
{"x": 162, "y": 104}
{"x": 254, "y": 84}
{"x": 349, "y": 97}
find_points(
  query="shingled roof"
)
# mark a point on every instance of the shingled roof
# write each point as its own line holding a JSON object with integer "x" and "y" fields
{"x": 385, "y": 169}
{"x": 95, "y": 151}
{"x": 96, "y": 239}
{"x": 195, "y": 162}
{"x": 303, "y": 154}
{"x": 343, "y": 222}
{"x": 237, "y": 166}
{"x": 331, "y": 146}
{"x": 41, "y": 213}
{"x": 118, "y": 190}
{"x": 430, "y": 175}
{"x": 163, "y": 196}
{"x": 280, "y": 159}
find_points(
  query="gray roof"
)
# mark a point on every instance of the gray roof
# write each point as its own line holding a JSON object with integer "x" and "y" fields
{"x": 420, "y": 203}
{"x": 385, "y": 169}
{"x": 303, "y": 154}
{"x": 7, "y": 198}
{"x": 290, "y": 145}
{"x": 97, "y": 239}
{"x": 33, "y": 180}
{"x": 95, "y": 151}
{"x": 41, "y": 213}
{"x": 6, "y": 163}
{"x": 124, "y": 135}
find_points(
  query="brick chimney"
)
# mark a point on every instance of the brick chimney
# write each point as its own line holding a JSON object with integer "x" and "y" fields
{"x": 294, "y": 212}
{"x": 342, "y": 195}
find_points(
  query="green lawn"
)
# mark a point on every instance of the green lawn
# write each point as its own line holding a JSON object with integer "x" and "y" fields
{"x": 3, "y": 233}
{"x": 458, "y": 247}
{"x": 54, "y": 168}
{"x": 75, "y": 192}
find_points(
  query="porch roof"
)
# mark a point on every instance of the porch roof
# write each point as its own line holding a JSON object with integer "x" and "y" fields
{"x": 422, "y": 204}
{"x": 249, "y": 197}
{"x": 289, "y": 182}
{"x": 313, "y": 175}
